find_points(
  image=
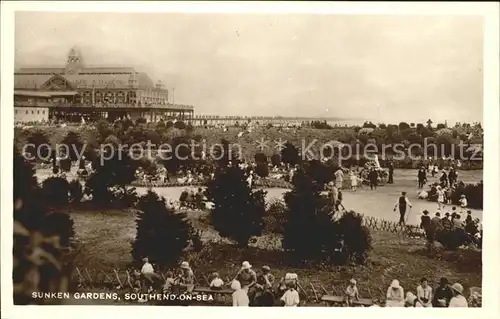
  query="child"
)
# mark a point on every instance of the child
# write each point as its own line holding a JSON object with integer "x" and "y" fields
{"x": 216, "y": 282}
{"x": 169, "y": 282}
{"x": 291, "y": 296}
{"x": 463, "y": 203}
{"x": 351, "y": 292}
{"x": 240, "y": 297}
{"x": 448, "y": 195}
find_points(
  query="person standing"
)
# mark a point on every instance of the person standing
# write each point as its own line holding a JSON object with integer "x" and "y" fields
{"x": 403, "y": 203}
{"x": 373, "y": 177}
{"x": 440, "y": 197}
{"x": 421, "y": 177}
{"x": 391, "y": 173}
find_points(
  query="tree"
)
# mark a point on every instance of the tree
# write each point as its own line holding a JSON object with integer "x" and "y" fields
{"x": 39, "y": 145}
{"x": 308, "y": 229}
{"x": 276, "y": 159}
{"x": 162, "y": 234}
{"x": 290, "y": 154}
{"x": 311, "y": 234}
{"x": 114, "y": 170}
{"x": 56, "y": 191}
{"x": 237, "y": 211}
{"x": 39, "y": 239}
{"x": 74, "y": 145}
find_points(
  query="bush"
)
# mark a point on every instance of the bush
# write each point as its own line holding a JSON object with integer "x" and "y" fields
{"x": 56, "y": 191}
{"x": 40, "y": 145}
{"x": 38, "y": 260}
{"x": 262, "y": 170}
{"x": 275, "y": 218}
{"x": 473, "y": 193}
{"x": 74, "y": 145}
{"x": 237, "y": 212}
{"x": 453, "y": 239}
{"x": 108, "y": 184}
{"x": 276, "y": 160}
{"x": 310, "y": 231}
{"x": 290, "y": 154}
{"x": 162, "y": 234}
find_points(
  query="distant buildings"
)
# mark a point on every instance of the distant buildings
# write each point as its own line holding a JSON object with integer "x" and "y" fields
{"x": 77, "y": 91}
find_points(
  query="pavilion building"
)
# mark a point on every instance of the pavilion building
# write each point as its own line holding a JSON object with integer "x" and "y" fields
{"x": 78, "y": 91}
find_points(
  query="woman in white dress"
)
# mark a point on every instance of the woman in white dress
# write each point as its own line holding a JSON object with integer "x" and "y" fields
{"x": 440, "y": 199}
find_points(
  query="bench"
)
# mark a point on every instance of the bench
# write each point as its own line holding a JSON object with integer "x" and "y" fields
{"x": 332, "y": 300}
{"x": 208, "y": 290}
{"x": 362, "y": 302}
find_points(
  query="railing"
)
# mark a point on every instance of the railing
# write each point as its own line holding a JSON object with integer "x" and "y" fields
{"x": 175, "y": 107}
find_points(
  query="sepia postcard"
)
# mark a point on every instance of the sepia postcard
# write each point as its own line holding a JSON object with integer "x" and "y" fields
{"x": 320, "y": 156}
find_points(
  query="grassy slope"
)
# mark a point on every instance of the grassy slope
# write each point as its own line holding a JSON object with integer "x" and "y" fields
{"x": 104, "y": 240}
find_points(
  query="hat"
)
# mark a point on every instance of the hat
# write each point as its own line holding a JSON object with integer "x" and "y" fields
{"x": 410, "y": 298}
{"x": 457, "y": 287}
{"x": 352, "y": 281}
{"x": 246, "y": 265}
{"x": 395, "y": 284}
{"x": 185, "y": 265}
{"x": 266, "y": 268}
{"x": 235, "y": 285}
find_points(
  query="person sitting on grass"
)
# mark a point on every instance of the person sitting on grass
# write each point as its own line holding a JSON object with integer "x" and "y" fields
{"x": 291, "y": 296}
{"x": 351, "y": 292}
{"x": 458, "y": 300}
{"x": 424, "y": 293}
{"x": 457, "y": 223}
{"x": 442, "y": 294}
{"x": 169, "y": 282}
{"x": 395, "y": 295}
{"x": 412, "y": 300}
{"x": 216, "y": 282}
{"x": 446, "y": 222}
{"x": 240, "y": 297}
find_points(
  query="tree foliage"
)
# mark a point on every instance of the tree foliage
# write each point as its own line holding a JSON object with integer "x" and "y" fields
{"x": 162, "y": 233}
{"x": 237, "y": 211}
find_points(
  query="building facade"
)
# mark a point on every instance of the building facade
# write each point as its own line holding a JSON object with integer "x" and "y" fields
{"x": 76, "y": 90}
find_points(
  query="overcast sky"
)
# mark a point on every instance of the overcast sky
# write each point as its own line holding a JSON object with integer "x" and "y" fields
{"x": 412, "y": 67}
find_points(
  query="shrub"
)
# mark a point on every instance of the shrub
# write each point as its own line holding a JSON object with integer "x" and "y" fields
{"x": 108, "y": 184}
{"x": 74, "y": 145}
{"x": 56, "y": 191}
{"x": 38, "y": 260}
{"x": 453, "y": 239}
{"x": 275, "y": 217}
{"x": 262, "y": 170}
{"x": 310, "y": 232}
{"x": 473, "y": 193}
{"x": 162, "y": 234}
{"x": 237, "y": 211}
{"x": 290, "y": 154}
{"x": 40, "y": 145}
{"x": 276, "y": 160}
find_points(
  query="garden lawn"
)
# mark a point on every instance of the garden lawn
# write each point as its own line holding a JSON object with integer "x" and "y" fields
{"x": 104, "y": 239}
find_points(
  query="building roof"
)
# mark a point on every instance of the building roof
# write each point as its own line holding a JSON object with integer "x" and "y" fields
{"x": 32, "y": 93}
{"x": 85, "y": 79}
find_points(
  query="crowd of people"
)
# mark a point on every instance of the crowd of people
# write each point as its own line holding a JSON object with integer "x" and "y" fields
{"x": 260, "y": 288}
